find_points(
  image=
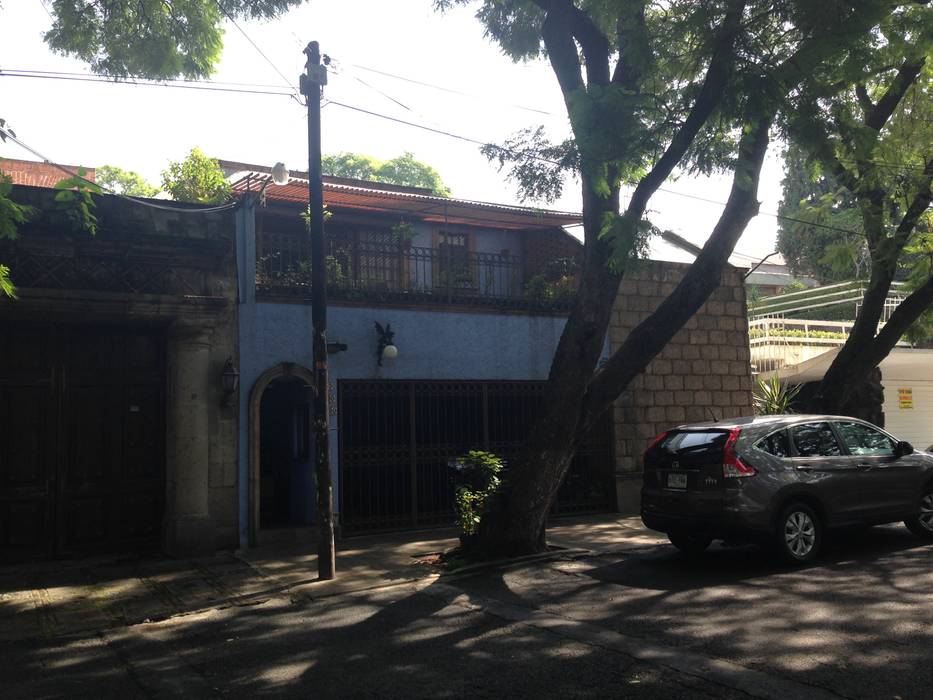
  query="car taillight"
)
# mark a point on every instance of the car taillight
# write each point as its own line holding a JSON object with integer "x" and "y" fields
{"x": 654, "y": 442}
{"x": 732, "y": 465}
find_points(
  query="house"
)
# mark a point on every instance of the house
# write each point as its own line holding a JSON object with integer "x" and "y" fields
{"x": 477, "y": 296}
{"x": 154, "y": 377}
{"x": 111, "y": 363}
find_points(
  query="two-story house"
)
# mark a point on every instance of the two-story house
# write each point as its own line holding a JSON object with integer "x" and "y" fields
{"x": 476, "y": 295}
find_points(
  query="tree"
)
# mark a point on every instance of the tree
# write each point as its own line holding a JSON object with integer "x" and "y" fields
{"x": 197, "y": 179}
{"x": 159, "y": 39}
{"x": 648, "y": 88}
{"x": 819, "y": 232}
{"x": 402, "y": 170}
{"x": 877, "y": 144}
{"x": 120, "y": 181}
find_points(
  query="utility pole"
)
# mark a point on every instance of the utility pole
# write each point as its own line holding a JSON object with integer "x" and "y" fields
{"x": 312, "y": 82}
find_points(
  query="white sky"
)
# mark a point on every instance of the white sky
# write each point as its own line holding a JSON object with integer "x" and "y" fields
{"x": 141, "y": 127}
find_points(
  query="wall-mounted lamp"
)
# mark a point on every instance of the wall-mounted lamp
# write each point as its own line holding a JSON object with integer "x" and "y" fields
{"x": 386, "y": 348}
{"x": 229, "y": 381}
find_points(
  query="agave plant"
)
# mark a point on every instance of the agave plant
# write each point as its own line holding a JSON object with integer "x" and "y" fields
{"x": 772, "y": 397}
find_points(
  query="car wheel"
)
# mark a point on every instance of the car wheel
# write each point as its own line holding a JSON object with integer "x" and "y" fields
{"x": 799, "y": 533}
{"x": 689, "y": 543}
{"x": 922, "y": 524}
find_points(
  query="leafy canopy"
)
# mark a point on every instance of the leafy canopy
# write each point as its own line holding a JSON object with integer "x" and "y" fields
{"x": 120, "y": 181}
{"x": 403, "y": 170}
{"x": 150, "y": 38}
{"x": 197, "y": 179}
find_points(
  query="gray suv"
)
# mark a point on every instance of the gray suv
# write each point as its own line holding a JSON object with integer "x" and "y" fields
{"x": 782, "y": 479}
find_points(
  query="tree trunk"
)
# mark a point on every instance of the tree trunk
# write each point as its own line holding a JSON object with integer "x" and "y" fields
{"x": 575, "y": 396}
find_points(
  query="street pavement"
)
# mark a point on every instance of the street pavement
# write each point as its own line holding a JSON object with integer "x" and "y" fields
{"x": 628, "y": 618}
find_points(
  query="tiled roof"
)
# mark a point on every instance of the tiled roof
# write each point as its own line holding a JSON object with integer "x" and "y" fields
{"x": 36, "y": 174}
{"x": 407, "y": 201}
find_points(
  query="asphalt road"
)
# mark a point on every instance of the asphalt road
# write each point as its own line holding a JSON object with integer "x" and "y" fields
{"x": 642, "y": 623}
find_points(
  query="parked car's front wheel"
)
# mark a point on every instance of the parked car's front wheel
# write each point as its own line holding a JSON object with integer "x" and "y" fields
{"x": 689, "y": 543}
{"x": 799, "y": 533}
{"x": 922, "y": 524}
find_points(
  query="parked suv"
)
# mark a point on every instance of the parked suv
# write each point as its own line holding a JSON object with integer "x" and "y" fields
{"x": 783, "y": 479}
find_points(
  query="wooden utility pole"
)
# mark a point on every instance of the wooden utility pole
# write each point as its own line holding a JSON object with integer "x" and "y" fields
{"x": 312, "y": 82}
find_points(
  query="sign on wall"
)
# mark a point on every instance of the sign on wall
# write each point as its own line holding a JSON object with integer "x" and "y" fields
{"x": 905, "y": 398}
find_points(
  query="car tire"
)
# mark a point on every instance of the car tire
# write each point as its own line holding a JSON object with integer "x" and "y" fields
{"x": 922, "y": 524}
{"x": 799, "y": 533}
{"x": 689, "y": 543}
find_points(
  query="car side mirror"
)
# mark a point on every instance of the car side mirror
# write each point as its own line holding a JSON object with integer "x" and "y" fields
{"x": 903, "y": 448}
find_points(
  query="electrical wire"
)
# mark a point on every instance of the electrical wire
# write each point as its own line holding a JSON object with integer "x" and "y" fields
{"x": 268, "y": 60}
{"x": 209, "y": 210}
{"x": 91, "y": 78}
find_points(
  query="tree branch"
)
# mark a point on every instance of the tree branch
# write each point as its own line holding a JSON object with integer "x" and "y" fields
{"x": 565, "y": 17}
{"x": 647, "y": 339}
{"x": 717, "y": 77}
{"x": 878, "y": 116}
{"x": 901, "y": 319}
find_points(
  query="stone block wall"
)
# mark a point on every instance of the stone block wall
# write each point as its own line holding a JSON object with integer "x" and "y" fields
{"x": 703, "y": 374}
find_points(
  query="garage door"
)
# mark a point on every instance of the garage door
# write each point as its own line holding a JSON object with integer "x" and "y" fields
{"x": 396, "y": 438}
{"x": 81, "y": 459}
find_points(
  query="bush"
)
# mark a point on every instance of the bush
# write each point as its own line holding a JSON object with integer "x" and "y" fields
{"x": 476, "y": 476}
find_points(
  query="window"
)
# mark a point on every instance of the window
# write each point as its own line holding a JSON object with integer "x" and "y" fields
{"x": 815, "y": 440}
{"x": 775, "y": 444}
{"x": 453, "y": 261}
{"x": 864, "y": 440}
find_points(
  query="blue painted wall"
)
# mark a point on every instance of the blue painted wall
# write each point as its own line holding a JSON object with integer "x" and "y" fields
{"x": 433, "y": 344}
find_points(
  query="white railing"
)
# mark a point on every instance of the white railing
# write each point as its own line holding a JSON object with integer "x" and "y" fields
{"x": 779, "y": 337}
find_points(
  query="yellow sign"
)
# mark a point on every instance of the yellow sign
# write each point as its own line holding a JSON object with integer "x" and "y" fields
{"x": 905, "y": 398}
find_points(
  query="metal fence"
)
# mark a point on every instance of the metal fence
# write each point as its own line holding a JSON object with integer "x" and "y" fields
{"x": 394, "y": 272}
{"x": 397, "y": 439}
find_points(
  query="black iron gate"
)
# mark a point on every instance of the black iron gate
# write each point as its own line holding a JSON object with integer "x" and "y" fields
{"x": 396, "y": 438}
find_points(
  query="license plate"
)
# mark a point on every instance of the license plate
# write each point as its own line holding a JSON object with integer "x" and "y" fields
{"x": 676, "y": 481}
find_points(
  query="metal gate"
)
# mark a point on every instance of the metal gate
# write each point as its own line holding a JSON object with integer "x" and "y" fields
{"x": 396, "y": 438}
{"x": 81, "y": 459}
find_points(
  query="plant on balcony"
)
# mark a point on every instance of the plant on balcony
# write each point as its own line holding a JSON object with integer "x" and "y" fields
{"x": 456, "y": 278}
{"x": 537, "y": 288}
{"x": 403, "y": 233}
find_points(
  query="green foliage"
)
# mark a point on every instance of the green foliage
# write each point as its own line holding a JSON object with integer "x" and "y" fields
{"x": 403, "y": 232}
{"x": 120, "y": 181}
{"x": 403, "y": 170}
{"x": 771, "y": 397}
{"x": 151, "y": 38}
{"x": 478, "y": 479}
{"x": 796, "y": 333}
{"x": 197, "y": 179}
{"x": 73, "y": 200}
{"x": 11, "y": 213}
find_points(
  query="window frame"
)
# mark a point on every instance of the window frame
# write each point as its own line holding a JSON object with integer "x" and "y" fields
{"x": 790, "y": 449}
{"x": 843, "y": 451}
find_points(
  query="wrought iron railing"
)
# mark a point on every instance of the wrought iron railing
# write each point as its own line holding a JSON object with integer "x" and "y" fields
{"x": 396, "y": 273}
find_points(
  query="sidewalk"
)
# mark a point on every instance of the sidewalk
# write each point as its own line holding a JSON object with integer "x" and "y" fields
{"x": 59, "y": 598}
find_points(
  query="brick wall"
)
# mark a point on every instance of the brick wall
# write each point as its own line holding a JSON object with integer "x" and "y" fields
{"x": 703, "y": 372}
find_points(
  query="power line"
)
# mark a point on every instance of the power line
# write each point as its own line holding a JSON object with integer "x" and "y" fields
{"x": 452, "y": 91}
{"x": 8, "y": 134}
{"x": 268, "y": 60}
{"x": 91, "y": 78}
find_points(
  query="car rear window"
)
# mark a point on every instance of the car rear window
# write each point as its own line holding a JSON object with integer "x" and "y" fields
{"x": 694, "y": 442}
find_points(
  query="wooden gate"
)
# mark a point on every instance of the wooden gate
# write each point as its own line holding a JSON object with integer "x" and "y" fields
{"x": 397, "y": 438}
{"x": 81, "y": 459}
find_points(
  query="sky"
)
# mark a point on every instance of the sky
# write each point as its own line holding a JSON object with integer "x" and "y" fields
{"x": 485, "y": 96}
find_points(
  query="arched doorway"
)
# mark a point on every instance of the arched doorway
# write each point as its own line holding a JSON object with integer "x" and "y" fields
{"x": 280, "y": 455}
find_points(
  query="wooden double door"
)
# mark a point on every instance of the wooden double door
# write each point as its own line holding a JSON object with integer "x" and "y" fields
{"x": 82, "y": 465}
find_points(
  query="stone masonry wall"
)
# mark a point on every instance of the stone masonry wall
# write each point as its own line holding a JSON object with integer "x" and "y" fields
{"x": 702, "y": 374}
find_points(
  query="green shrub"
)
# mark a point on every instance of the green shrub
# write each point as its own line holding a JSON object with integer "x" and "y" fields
{"x": 772, "y": 398}
{"x": 477, "y": 477}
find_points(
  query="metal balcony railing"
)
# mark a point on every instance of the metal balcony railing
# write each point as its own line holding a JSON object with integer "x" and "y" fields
{"x": 398, "y": 273}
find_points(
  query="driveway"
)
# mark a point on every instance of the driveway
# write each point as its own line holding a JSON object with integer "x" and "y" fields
{"x": 639, "y": 621}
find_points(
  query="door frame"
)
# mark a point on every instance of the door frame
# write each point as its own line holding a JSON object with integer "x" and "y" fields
{"x": 279, "y": 371}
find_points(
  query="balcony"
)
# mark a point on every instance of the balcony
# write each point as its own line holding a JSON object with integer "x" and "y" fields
{"x": 402, "y": 274}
